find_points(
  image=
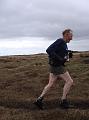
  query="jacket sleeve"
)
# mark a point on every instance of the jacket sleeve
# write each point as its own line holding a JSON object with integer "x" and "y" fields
{"x": 53, "y": 55}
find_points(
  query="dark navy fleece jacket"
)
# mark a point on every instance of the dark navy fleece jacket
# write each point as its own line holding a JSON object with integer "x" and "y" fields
{"x": 58, "y": 52}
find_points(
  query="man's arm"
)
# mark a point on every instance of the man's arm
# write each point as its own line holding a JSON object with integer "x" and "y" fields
{"x": 55, "y": 56}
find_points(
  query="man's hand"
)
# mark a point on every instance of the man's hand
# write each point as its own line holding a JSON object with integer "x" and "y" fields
{"x": 70, "y": 53}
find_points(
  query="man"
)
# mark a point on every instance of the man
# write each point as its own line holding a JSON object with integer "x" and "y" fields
{"x": 58, "y": 55}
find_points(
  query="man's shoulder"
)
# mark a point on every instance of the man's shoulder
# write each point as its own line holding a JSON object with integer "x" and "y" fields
{"x": 59, "y": 40}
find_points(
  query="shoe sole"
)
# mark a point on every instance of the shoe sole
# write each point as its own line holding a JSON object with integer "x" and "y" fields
{"x": 40, "y": 107}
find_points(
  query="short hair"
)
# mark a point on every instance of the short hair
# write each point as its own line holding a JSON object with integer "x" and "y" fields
{"x": 66, "y": 31}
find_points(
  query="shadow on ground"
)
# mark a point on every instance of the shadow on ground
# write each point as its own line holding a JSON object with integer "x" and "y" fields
{"x": 52, "y": 104}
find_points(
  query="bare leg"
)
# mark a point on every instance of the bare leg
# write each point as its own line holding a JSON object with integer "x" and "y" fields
{"x": 68, "y": 83}
{"x": 52, "y": 79}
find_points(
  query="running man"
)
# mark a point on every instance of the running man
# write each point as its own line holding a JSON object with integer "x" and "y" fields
{"x": 58, "y": 55}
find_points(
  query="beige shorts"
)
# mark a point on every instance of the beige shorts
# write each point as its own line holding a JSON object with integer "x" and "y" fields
{"x": 57, "y": 70}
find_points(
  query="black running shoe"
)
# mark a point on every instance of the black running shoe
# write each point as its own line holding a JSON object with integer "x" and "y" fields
{"x": 64, "y": 104}
{"x": 39, "y": 104}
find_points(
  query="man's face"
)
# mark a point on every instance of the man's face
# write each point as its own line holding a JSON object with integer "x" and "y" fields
{"x": 68, "y": 36}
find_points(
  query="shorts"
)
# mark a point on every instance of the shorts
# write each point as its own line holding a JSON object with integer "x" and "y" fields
{"x": 57, "y": 70}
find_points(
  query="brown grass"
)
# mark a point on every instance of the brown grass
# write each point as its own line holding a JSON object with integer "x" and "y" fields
{"x": 22, "y": 79}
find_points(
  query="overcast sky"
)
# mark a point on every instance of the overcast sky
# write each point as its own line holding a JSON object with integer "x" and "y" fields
{"x": 43, "y": 18}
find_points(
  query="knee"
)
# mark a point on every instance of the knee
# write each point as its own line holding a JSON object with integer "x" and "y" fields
{"x": 70, "y": 82}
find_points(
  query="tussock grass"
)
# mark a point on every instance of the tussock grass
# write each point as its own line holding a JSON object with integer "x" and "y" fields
{"x": 22, "y": 79}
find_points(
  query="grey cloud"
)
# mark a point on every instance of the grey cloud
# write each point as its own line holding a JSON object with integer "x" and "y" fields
{"x": 43, "y": 18}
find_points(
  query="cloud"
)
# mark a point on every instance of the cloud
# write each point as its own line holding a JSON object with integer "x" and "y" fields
{"x": 43, "y": 18}
{"x": 24, "y": 42}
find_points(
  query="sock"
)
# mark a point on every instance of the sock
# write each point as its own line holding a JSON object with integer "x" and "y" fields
{"x": 40, "y": 98}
